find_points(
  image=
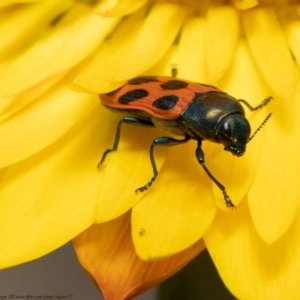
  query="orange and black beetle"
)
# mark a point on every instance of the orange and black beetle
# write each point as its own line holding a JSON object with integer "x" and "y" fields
{"x": 192, "y": 110}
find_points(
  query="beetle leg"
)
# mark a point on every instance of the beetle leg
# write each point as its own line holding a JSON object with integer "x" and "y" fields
{"x": 125, "y": 120}
{"x": 160, "y": 141}
{"x": 201, "y": 160}
{"x": 252, "y": 108}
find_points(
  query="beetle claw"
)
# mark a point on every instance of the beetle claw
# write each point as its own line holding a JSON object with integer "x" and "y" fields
{"x": 145, "y": 187}
{"x": 228, "y": 201}
{"x": 104, "y": 157}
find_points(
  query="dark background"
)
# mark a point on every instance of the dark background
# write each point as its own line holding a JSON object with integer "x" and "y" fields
{"x": 56, "y": 274}
{"x": 60, "y": 277}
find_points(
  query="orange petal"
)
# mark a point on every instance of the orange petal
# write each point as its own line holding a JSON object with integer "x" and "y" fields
{"x": 106, "y": 252}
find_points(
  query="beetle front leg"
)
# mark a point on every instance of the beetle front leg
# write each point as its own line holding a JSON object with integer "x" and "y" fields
{"x": 125, "y": 120}
{"x": 160, "y": 141}
{"x": 201, "y": 160}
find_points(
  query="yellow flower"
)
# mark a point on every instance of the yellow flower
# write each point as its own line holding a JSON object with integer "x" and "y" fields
{"x": 56, "y": 56}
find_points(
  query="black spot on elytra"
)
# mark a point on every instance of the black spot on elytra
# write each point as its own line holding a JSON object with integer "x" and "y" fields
{"x": 166, "y": 102}
{"x": 174, "y": 84}
{"x": 133, "y": 95}
{"x": 142, "y": 79}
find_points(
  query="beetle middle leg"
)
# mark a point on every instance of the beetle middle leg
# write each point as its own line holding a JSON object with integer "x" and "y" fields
{"x": 201, "y": 160}
{"x": 125, "y": 120}
{"x": 160, "y": 141}
{"x": 260, "y": 105}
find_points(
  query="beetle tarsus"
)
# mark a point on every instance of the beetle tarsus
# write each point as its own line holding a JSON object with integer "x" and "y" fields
{"x": 146, "y": 186}
{"x": 228, "y": 201}
{"x": 265, "y": 101}
{"x": 200, "y": 158}
{"x": 104, "y": 157}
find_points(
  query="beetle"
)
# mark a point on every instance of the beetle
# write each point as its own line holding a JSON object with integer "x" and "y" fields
{"x": 192, "y": 110}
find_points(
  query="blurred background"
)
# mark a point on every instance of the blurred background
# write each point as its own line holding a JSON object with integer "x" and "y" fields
{"x": 59, "y": 276}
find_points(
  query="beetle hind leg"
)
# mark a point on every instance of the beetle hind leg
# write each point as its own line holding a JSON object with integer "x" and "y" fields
{"x": 160, "y": 141}
{"x": 125, "y": 120}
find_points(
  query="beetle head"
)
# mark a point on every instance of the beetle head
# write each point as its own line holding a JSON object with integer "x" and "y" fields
{"x": 233, "y": 133}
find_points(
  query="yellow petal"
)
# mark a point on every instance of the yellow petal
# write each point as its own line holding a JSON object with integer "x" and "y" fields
{"x": 18, "y": 27}
{"x": 49, "y": 198}
{"x": 149, "y": 39}
{"x": 245, "y": 4}
{"x": 270, "y": 51}
{"x": 166, "y": 64}
{"x": 10, "y": 2}
{"x": 292, "y": 31}
{"x": 236, "y": 173}
{"x": 114, "y": 8}
{"x": 11, "y": 106}
{"x": 250, "y": 268}
{"x": 124, "y": 170}
{"x": 55, "y": 53}
{"x": 220, "y": 42}
{"x": 106, "y": 252}
{"x": 177, "y": 210}
{"x": 80, "y": 84}
{"x": 55, "y": 112}
{"x": 243, "y": 80}
{"x": 275, "y": 188}
{"x": 191, "y": 59}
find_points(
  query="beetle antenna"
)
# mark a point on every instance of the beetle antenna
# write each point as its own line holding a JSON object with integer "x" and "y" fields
{"x": 260, "y": 126}
{"x": 252, "y": 108}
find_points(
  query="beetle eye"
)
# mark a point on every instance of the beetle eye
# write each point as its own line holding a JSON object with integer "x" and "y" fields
{"x": 227, "y": 129}
{"x": 234, "y": 134}
{"x": 225, "y": 133}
